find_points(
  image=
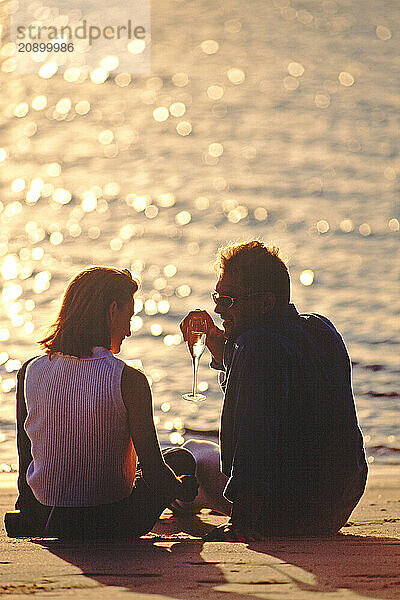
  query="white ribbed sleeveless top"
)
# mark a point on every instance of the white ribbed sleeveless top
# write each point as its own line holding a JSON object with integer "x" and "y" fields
{"x": 82, "y": 450}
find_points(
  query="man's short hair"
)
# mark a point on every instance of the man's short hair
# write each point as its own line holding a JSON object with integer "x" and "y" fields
{"x": 257, "y": 267}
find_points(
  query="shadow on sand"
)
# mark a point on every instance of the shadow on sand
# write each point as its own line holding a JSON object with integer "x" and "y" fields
{"x": 365, "y": 565}
{"x": 173, "y": 564}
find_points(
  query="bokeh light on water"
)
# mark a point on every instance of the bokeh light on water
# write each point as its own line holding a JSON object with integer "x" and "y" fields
{"x": 270, "y": 119}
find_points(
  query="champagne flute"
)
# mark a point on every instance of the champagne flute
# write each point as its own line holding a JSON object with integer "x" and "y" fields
{"x": 196, "y": 342}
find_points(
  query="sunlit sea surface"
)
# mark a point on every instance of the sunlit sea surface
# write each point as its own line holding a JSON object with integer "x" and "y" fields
{"x": 270, "y": 119}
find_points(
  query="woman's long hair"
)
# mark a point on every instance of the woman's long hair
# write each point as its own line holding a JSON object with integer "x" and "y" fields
{"x": 83, "y": 321}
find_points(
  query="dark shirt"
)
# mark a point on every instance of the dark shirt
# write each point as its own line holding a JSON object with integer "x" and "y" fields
{"x": 289, "y": 432}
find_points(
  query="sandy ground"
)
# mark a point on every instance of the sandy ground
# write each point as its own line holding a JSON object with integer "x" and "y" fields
{"x": 363, "y": 561}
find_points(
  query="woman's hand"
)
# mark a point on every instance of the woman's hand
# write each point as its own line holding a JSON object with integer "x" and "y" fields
{"x": 182, "y": 487}
{"x": 215, "y": 340}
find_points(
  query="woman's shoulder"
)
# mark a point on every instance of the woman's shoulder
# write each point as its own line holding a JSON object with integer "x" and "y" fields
{"x": 131, "y": 375}
{"x": 34, "y": 360}
{"x": 30, "y": 365}
{"x": 135, "y": 388}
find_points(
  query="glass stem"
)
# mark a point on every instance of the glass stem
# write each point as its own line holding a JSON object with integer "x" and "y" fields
{"x": 195, "y": 371}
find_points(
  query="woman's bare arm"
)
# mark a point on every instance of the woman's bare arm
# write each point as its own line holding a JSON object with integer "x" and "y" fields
{"x": 137, "y": 398}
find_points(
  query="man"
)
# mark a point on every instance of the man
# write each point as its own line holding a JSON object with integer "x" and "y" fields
{"x": 290, "y": 445}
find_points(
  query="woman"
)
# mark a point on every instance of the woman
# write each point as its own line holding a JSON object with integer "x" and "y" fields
{"x": 85, "y": 418}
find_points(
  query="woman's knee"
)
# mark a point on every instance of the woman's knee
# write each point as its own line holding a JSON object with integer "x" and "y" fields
{"x": 212, "y": 482}
{"x": 207, "y": 456}
{"x": 181, "y": 461}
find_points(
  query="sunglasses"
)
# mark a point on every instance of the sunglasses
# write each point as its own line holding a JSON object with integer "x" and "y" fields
{"x": 228, "y": 301}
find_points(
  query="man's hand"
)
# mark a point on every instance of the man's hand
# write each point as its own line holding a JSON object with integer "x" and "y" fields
{"x": 215, "y": 339}
{"x": 188, "y": 489}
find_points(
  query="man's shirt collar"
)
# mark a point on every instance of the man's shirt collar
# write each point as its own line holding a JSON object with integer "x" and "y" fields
{"x": 279, "y": 314}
